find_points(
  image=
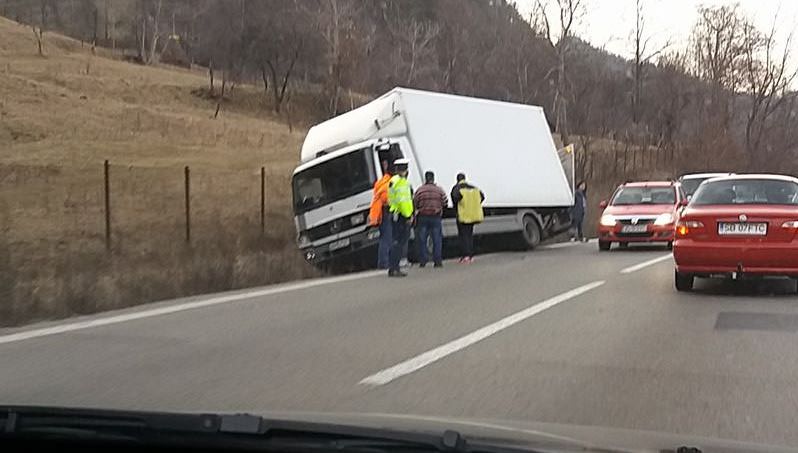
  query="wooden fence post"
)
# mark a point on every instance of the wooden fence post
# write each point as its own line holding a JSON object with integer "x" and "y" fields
{"x": 262, "y": 200}
{"x": 188, "y": 203}
{"x": 107, "y": 200}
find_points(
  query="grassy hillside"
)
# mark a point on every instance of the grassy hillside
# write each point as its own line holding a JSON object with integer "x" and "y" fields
{"x": 63, "y": 114}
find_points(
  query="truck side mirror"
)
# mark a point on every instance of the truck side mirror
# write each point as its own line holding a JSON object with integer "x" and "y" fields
{"x": 604, "y": 204}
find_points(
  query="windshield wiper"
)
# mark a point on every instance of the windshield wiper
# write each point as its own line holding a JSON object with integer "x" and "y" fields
{"x": 213, "y": 430}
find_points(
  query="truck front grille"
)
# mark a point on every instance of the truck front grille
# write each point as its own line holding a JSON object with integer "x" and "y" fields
{"x": 335, "y": 226}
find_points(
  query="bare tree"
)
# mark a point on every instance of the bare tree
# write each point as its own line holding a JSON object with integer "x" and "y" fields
{"x": 719, "y": 54}
{"x": 767, "y": 80}
{"x": 156, "y": 34}
{"x": 642, "y": 57}
{"x": 276, "y": 49}
{"x": 333, "y": 19}
{"x": 566, "y": 13}
{"x": 416, "y": 44}
{"x": 38, "y": 31}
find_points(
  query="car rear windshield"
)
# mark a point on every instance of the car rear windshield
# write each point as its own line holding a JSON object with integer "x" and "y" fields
{"x": 747, "y": 191}
{"x": 644, "y": 195}
{"x": 691, "y": 185}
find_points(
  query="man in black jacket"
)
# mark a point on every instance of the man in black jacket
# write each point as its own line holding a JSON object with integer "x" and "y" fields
{"x": 465, "y": 229}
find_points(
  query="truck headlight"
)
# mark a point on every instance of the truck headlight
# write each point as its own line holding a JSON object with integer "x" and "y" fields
{"x": 357, "y": 219}
{"x": 608, "y": 220}
{"x": 303, "y": 241}
{"x": 664, "y": 219}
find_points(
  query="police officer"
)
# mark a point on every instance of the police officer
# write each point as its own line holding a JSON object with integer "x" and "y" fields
{"x": 400, "y": 205}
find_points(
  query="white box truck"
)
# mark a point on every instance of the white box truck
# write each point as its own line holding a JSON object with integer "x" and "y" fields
{"x": 504, "y": 149}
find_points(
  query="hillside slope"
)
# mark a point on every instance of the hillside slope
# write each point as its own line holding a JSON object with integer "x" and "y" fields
{"x": 63, "y": 114}
{"x": 56, "y": 105}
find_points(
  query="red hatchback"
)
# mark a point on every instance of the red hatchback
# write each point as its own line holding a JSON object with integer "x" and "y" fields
{"x": 738, "y": 225}
{"x": 640, "y": 212}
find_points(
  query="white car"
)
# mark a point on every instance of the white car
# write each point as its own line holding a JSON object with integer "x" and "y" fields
{"x": 691, "y": 182}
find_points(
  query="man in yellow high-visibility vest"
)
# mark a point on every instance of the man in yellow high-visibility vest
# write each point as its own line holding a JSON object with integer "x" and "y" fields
{"x": 400, "y": 205}
{"x": 468, "y": 201}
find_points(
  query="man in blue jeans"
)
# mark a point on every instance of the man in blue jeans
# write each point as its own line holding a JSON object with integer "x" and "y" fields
{"x": 429, "y": 201}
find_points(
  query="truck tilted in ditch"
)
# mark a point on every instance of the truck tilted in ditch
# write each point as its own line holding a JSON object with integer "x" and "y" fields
{"x": 505, "y": 149}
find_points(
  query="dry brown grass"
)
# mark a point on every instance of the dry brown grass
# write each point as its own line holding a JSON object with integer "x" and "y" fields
{"x": 63, "y": 114}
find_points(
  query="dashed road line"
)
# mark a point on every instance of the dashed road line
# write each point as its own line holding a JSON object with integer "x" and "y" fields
{"x": 433, "y": 355}
{"x": 645, "y": 264}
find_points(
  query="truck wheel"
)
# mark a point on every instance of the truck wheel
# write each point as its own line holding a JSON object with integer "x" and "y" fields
{"x": 531, "y": 232}
{"x": 604, "y": 246}
{"x": 683, "y": 282}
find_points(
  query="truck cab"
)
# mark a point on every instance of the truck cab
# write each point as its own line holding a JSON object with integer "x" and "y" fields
{"x": 332, "y": 195}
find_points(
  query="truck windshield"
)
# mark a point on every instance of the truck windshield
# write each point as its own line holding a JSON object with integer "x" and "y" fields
{"x": 334, "y": 180}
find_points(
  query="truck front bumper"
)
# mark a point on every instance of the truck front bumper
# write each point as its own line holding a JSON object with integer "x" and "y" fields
{"x": 316, "y": 254}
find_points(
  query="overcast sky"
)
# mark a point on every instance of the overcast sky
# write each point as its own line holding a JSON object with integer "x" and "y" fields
{"x": 609, "y": 23}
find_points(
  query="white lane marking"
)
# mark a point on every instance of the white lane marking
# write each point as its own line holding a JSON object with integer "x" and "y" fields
{"x": 88, "y": 324}
{"x": 562, "y": 245}
{"x": 644, "y": 264}
{"x": 433, "y": 355}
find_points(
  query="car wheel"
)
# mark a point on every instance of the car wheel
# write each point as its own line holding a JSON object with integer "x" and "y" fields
{"x": 683, "y": 282}
{"x": 604, "y": 245}
{"x": 670, "y": 245}
{"x": 530, "y": 233}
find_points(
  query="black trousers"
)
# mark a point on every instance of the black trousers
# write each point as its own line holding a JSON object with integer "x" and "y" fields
{"x": 466, "y": 233}
{"x": 401, "y": 234}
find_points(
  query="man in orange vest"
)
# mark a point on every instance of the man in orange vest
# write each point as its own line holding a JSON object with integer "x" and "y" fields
{"x": 379, "y": 216}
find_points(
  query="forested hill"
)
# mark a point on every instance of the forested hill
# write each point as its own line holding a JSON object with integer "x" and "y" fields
{"x": 722, "y": 100}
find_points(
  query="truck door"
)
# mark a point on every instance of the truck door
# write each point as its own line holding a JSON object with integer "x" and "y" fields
{"x": 386, "y": 155}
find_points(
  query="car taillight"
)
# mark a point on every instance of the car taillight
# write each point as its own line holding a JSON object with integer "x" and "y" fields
{"x": 683, "y": 228}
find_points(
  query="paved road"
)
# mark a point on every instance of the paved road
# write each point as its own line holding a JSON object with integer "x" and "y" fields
{"x": 564, "y": 335}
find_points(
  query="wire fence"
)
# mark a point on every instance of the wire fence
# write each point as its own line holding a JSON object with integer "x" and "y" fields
{"x": 78, "y": 240}
{"x": 111, "y": 203}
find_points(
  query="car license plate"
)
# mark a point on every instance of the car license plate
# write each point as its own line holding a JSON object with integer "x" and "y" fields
{"x": 742, "y": 229}
{"x": 634, "y": 228}
{"x": 339, "y": 244}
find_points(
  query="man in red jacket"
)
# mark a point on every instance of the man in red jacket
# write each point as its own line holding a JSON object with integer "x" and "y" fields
{"x": 429, "y": 201}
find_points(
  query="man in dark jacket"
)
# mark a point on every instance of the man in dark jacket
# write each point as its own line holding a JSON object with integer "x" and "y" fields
{"x": 469, "y": 213}
{"x": 429, "y": 201}
{"x": 579, "y": 210}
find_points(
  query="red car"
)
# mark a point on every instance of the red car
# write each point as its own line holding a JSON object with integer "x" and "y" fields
{"x": 738, "y": 225}
{"x": 640, "y": 212}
